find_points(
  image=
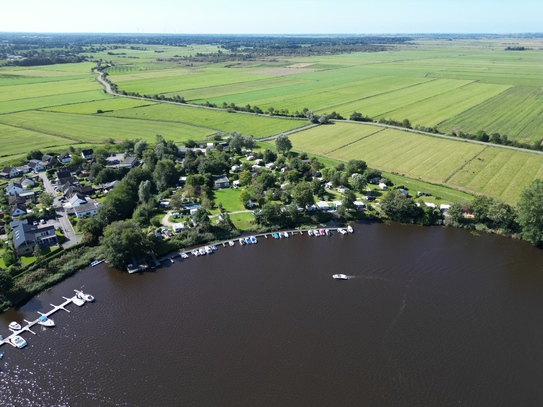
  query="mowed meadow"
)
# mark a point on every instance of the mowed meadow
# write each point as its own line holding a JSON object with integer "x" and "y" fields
{"x": 473, "y": 167}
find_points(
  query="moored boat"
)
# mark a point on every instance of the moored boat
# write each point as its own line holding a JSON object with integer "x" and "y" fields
{"x": 202, "y": 251}
{"x": 231, "y": 243}
{"x": 328, "y": 232}
{"x": 253, "y": 240}
{"x": 350, "y": 229}
{"x": 184, "y": 256}
{"x": 241, "y": 241}
{"x": 18, "y": 341}
{"x": 14, "y": 326}
{"x": 340, "y": 277}
{"x": 78, "y": 301}
{"x": 316, "y": 232}
{"x": 322, "y": 232}
{"x": 342, "y": 231}
{"x": 82, "y": 296}
{"x": 310, "y": 232}
{"x": 97, "y": 262}
{"x": 208, "y": 250}
{"x": 195, "y": 253}
{"x": 275, "y": 236}
{"x": 285, "y": 234}
{"x": 43, "y": 320}
{"x": 248, "y": 241}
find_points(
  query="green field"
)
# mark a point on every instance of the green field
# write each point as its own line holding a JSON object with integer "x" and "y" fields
{"x": 15, "y": 140}
{"x": 96, "y": 128}
{"x": 491, "y": 170}
{"x": 218, "y": 120}
{"x": 108, "y": 104}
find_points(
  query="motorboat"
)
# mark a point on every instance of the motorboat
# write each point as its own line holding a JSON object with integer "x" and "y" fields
{"x": 248, "y": 241}
{"x": 328, "y": 232}
{"x": 195, "y": 252}
{"x": 275, "y": 236}
{"x": 202, "y": 251}
{"x": 316, "y": 232}
{"x": 78, "y": 301}
{"x": 340, "y": 277}
{"x": 342, "y": 231}
{"x": 322, "y": 232}
{"x": 253, "y": 240}
{"x": 231, "y": 243}
{"x": 350, "y": 229}
{"x": 285, "y": 234}
{"x": 214, "y": 247}
{"x": 43, "y": 320}
{"x": 209, "y": 250}
{"x": 310, "y": 232}
{"x": 241, "y": 241}
{"x": 97, "y": 262}
{"x": 14, "y": 326}
{"x": 85, "y": 297}
{"x": 184, "y": 256}
{"x": 18, "y": 341}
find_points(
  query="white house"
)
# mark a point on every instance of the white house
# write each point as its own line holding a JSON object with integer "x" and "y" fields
{"x": 64, "y": 158}
{"x": 36, "y": 165}
{"x": 77, "y": 200}
{"x": 87, "y": 209}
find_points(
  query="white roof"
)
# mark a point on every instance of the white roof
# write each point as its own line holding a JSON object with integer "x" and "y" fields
{"x": 322, "y": 204}
{"x": 444, "y": 206}
{"x": 430, "y": 205}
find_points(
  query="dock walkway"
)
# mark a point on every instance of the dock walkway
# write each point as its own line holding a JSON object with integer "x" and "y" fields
{"x": 30, "y": 324}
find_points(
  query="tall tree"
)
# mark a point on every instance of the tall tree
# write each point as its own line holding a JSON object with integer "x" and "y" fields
{"x": 530, "y": 212}
{"x": 144, "y": 191}
{"x": 283, "y": 144}
{"x": 165, "y": 175}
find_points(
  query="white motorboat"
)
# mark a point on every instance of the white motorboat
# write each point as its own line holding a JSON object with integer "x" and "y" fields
{"x": 310, "y": 232}
{"x": 340, "y": 277}
{"x": 14, "y": 326}
{"x": 82, "y": 296}
{"x": 342, "y": 231}
{"x": 209, "y": 250}
{"x": 316, "y": 232}
{"x": 350, "y": 229}
{"x": 241, "y": 241}
{"x": 184, "y": 256}
{"x": 202, "y": 251}
{"x": 43, "y": 320}
{"x": 195, "y": 252}
{"x": 231, "y": 243}
{"x": 78, "y": 301}
{"x": 285, "y": 234}
{"x": 18, "y": 341}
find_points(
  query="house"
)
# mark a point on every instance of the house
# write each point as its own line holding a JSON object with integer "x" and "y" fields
{"x": 359, "y": 205}
{"x": 14, "y": 188}
{"x": 64, "y": 158}
{"x": 47, "y": 160}
{"x": 27, "y": 182}
{"x": 374, "y": 180}
{"x": 26, "y": 237}
{"x": 36, "y": 165}
{"x": 77, "y": 200}
{"x": 323, "y": 206}
{"x": 129, "y": 162}
{"x": 87, "y": 209}
{"x": 110, "y": 185}
{"x": 221, "y": 183}
{"x": 17, "y": 210}
{"x": 10, "y": 172}
{"x": 404, "y": 192}
{"x": 382, "y": 185}
{"x": 444, "y": 207}
{"x": 87, "y": 154}
{"x": 23, "y": 169}
{"x": 16, "y": 199}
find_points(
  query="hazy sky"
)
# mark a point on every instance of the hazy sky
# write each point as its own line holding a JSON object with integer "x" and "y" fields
{"x": 272, "y": 16}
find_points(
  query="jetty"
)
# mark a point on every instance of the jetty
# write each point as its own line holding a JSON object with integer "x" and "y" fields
{"x": 30, "y": 324}
{"x": 184, "y": 254}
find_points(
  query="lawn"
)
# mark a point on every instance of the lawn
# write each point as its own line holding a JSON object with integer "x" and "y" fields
{"x": 229, "y": 198}
{"x": 243, "y": 221}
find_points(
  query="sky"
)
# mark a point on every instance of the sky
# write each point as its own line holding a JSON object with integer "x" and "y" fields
{"x": 273, "y": 16}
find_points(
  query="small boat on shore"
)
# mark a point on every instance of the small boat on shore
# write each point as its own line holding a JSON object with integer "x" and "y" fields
{"x": 18, "y": 341}
{"x": 97, "y": 262}
{"x": 340, "y": 277}
{"x": 350, "y": 229}
{"x": 14, "y": 326}
{"x": 85, "y": 297}
{"x": 44, "y": 321}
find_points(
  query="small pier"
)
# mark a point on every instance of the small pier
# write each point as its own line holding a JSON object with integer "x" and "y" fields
{"x": 30, "y": 324}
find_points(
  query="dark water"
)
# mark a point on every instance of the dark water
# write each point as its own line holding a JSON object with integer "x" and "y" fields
{"x": 430, "y": 317}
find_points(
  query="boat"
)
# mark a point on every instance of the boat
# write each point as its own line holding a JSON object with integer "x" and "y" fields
{"x": 202, "y": 251}
{"x": 231, "y": 243}
{"x": 322, "y": 232}
{"x": 78, "y": 301}
{"x": 208, "y": 250}
{"x": 342, "y": 231}
{"x": 85, "y": 297}
{"x": 310, "y": 232}
{"x": 328, "y": 232}
{"x": 195, "y": 252}
{"x": 214, "y": 247}
{"x": 350, "y": 229}
{"x": 184, "y": 256}
{"x": 340, "y": 277}
{"x": 248, "y": 241}
{"x": 97, "y": 262}
{"x": 1, "y": 355}
{"x": 275, "y": 236}
{"x": 18, "y": 341}
{"x": 253, "y": 239}
{"x": 43, "y": 320}
{"x": 241, "y": 241}
{"x": 316, "y": 232}
{"x": 286, "y": 234}
{"x": 14, "y": 326}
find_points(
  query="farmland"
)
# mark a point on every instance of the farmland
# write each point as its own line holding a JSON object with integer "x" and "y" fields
{"x": 491, "y": 170}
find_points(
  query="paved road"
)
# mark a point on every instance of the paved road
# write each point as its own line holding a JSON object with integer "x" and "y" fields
{"x": 61, "y": 218}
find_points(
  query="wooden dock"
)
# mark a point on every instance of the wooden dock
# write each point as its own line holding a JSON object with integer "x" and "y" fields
{"x": 30, "y": 324}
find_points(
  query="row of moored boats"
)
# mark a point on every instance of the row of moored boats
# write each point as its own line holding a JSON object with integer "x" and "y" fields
{"x": 18, "y": 341}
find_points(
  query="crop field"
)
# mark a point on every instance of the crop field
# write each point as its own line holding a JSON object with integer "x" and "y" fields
{"x": 96, "y": 128}
{"x": 491, "y": 170}
{"x": 15, "y": 140}
{"x": 67, "y": 99}
{"x": 518, "y": 113}
{"x": 107, "y": 104}
{"x": 218, "y": 120}
{"x": 35, "y": 90}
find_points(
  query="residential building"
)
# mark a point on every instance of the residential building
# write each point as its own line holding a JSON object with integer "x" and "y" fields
{"x": 26, "y": 237}
{"x": 90, "y": 208}
{"x": 221, "y": 183}
{"x": 14, "y": 188}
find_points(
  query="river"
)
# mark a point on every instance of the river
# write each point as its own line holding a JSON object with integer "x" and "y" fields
{"x": 429, "y": 317}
